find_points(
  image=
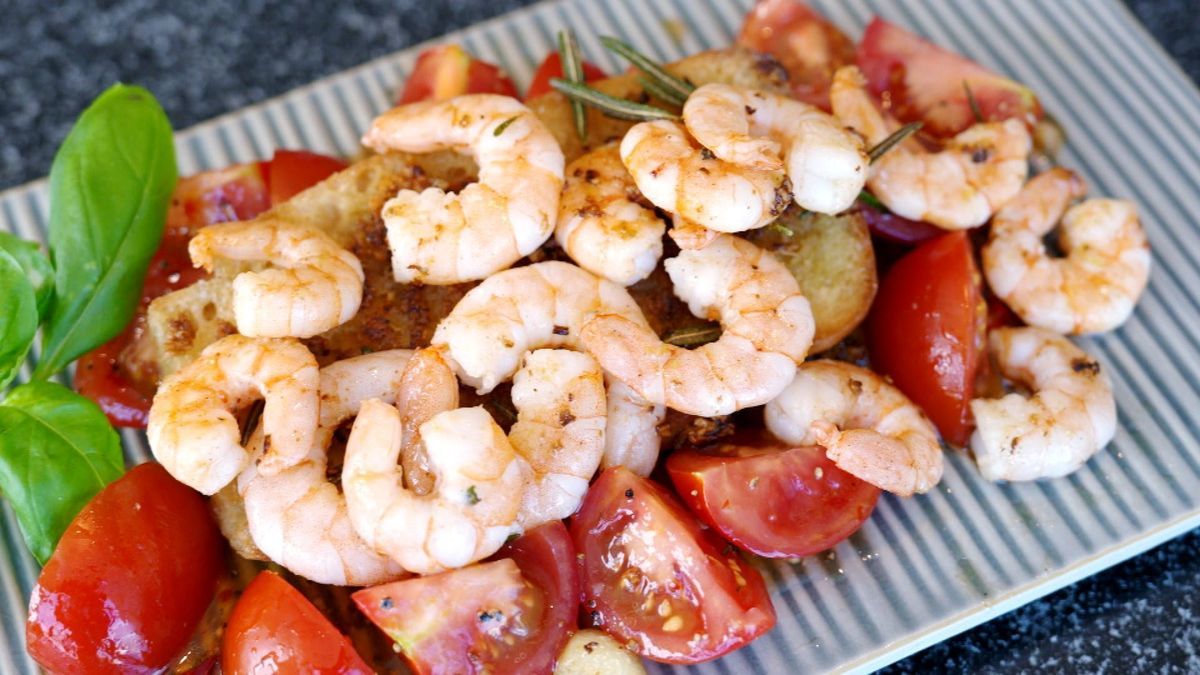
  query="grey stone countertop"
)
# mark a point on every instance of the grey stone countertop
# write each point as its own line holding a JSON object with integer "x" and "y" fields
{"x": 206, "y": 58}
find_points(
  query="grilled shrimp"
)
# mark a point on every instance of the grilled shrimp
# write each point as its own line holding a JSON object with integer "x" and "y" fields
{"x": 975, "y": 173}
{"x": 298, "y": 518}
{"x": 600, "y": 223}
{"x": 440, "y": 238}
{"x": 560, "y": 403}
{"x": 542, "y": 305}
{"x": 1106, "y": 265}
{"x": 768, "y": 328}
{"x": 678, "y": 175}
{"x": 192, "y": 429}
{"x": 867, "y": 426}
{"x": 314, "y": 285}
{"x": 480, "y": 482}
{"x": 1070, "y": 416}
{"x": 825, "y": 163}
{"x": 427, "y": 387}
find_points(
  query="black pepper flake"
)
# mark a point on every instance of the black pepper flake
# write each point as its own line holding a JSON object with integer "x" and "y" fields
{"x": 489, "y": 616}
{"x": 1085, "y": 366}
{"x": 591, "y": 175}
{"x": 597, "y": 618}
{"x": 386, "y": 603}
{"x": 750, "y": 111}
{"x": 629, "y": 493}
{"x": 705, "y": 153}
{"x": 980, "y": 155}
{"x": 565, "y": 417}
{"x": 590, "y": 646}
{"x": 562, "y": 330}
{"x": 728, "y": 550}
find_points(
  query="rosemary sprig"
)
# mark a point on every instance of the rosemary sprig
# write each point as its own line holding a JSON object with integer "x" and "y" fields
{"x": 680, "y": 89}
{"x": 975, "y": 110}
{"x": 892, "y": 141}
{"x": 504, "y": 125}
{"x": 656, "y": 90}
{"x": 572, "y": 68}
{"x": 871, "y": 201}
{"x": 781, "y": 229}
{"x": 610, "y": 105}
{"x": 693, "y": 336}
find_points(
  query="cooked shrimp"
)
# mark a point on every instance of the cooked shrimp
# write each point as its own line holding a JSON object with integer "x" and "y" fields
{"x": 192, "y": 429}
{"x": 427, "y": 387}
{"x": 298, "y": 518}
{"x": 560, "y": 403}
{"x": 678, "y": 175}
{"x": 480, "y": 482}
{"x": 957, "y": 188}
{"x": 313, "y": 286}
{"x": 768, "y": 328}
{"x": 1106, "y": 262}
{"x": 825, "y": 163}
{"x": 602, "y": 226}
{"x": 440, "y": 238}
{"x": 867, "y": 426}
{"x": 631, "y": 435}
{"x": 1070, "y": 416}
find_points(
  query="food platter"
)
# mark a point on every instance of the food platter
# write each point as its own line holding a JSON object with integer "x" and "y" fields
{"x": 923, "y": 568}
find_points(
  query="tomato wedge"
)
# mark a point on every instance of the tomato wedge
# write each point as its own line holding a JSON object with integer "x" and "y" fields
{"x": 275, "y": 629}
{"x": 291, "y": 172}
{"x": 447, "y": 71}
{"x": 926, "y": 330}
{"x": 771, "y": 499}
{"x": 659, "y": 582}
{"x": 552, "y": 67}
{"x": 925, "y": 82}
{"x": 810, "y": 48}
{"x": 129, "y": 581}
{"x": 510, "y": 615}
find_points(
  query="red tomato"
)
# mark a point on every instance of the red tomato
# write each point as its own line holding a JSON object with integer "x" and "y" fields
{"x": 926, "y": 330}
{"x": 510, "y": 615}
{"x": 641, "y": 549}
{"x": 129, "y": 581}
{"x": 448, "y": 70}
{"x": 293, "y": 171}
{"x": 898, "y": 229}
{"x": 552, "y": 67}
{"x": 769, "y": 498}
{"x": 809, "y": 47}
{"x": 925, "y": 82}
{"x": 275, "y": 629}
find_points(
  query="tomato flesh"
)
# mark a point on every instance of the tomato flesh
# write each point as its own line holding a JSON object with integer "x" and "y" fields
{"x": 275, "y": 629}
{"x": 129, "y": 581}
{"x": 659, "y": 582}
{"x": 926, "y": 330}
{"x": 551, "y": 68}
{"x": 769, "y": 498}
{"x": 510, "y": 615}
{"x": 291, "y": 172}
{"x": 808, "y": 46}
{"x": 923, "y": 81}
{"x": 447, "y": 71}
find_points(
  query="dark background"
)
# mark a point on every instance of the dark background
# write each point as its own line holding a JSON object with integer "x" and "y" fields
{"x": 206, "y": 58}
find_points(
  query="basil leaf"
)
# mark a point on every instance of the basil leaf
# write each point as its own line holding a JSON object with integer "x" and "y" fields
{"x": 18, "y": 317}
{"x": 57, "y": 450}
{"x": 110, "y": 185}
{"x": 36, "y": 265}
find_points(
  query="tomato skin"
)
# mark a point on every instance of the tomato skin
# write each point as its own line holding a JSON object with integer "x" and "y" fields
{"x": 551, "y": 67}
{"x": 925, "y": 82}
{"x": 275, "y": 629}
{"x": 926, "y": 330}
{"x": 129, "y": 581}
{"x": 808, "y": 46}
{"x": 769, "y": 498}
{"x": 291, "y": 172}
{"x": 447, "y": 71}
{"x": 531, "y": 582}
{"x": 639, "y": 547}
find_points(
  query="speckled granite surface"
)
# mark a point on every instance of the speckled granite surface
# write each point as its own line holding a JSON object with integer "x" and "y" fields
{"x": 204, "y": 59}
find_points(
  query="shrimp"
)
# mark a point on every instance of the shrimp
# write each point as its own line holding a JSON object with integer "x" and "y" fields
{"x": 602, "y": 226}
{"x": 545, "y": 305}
{"x": 314, "y": 286}
{"x": 1070, "y": 416}
{"x": 959, "y": 187}
{"x": 825, "y": 163}
{"x": 768, "y": 328}
{"x": 298, "y": 518}
{"x": 440, "y": 238}
{"x": 561, "y": 414}
{"x": 480, "y": 483}
{"x": 678, "y": 175}
{"x": 427, "y": 387}
{"x": 1106, "y": 265}
{"x": 192, "y": 429}
{"x": 867, "y": 427}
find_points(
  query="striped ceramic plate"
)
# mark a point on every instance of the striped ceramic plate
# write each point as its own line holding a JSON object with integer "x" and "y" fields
{"x": 923, "y": 568}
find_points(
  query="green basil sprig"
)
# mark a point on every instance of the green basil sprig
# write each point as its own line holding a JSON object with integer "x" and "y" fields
{"x": 110, "y": 185}
{"x": 18, "y": 317}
